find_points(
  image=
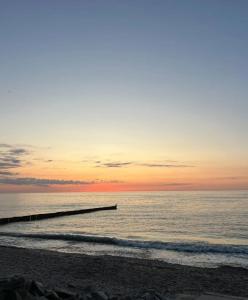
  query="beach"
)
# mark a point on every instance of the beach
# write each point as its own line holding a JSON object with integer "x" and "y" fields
{"x": 119, "y": 275}
{"x": 165, "y": 244}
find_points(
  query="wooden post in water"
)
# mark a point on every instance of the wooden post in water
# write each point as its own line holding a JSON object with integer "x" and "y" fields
{"x": 44, "y": 216}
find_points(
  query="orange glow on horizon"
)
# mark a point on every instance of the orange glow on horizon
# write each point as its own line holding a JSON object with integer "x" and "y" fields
{"x": 121, "y": 174}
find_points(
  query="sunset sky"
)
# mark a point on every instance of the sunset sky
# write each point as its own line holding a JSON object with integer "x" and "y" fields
{"x": 123, "y": 95}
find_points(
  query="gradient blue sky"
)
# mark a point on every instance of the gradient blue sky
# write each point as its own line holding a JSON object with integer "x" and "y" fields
{"x": 139, "y": 79}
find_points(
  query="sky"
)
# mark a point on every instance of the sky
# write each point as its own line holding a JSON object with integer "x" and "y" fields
{"x": 123, "y": 95}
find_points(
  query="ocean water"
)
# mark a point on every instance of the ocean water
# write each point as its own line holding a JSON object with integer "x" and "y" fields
{"x": 191, "y": 228}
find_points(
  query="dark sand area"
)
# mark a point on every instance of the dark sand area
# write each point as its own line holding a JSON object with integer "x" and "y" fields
{"x": 119, "y": 275}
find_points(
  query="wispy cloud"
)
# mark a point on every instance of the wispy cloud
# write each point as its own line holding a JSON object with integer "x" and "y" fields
{"x": 41, "y": 181}
{"x": 162, "y": 165}
{"x": 113, "y": 164}
{"x": 120, "y": 164}
{"x": 7, "y": 173}
{"x": 176, "y": 183}
{"x": 2, "y": 145}
{"x": 108, "y": 181}
{"x": 8, "y": 163}
{"x": 32, "y": 181}
{"x": 230, "y": 178}
{"x": 11, "y": 157}
{"x": 18, "y": 151}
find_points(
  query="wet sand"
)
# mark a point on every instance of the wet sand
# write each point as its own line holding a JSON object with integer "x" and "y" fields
{"x": 119, "y": 275}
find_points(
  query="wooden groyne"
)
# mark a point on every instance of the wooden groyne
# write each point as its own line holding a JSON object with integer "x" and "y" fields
{"x": 44, "y": 216}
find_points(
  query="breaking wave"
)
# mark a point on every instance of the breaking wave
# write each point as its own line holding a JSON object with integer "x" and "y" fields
{"x": 190, "y": 247}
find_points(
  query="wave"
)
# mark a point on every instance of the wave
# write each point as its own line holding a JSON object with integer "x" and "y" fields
{"x": 190, "y": 247}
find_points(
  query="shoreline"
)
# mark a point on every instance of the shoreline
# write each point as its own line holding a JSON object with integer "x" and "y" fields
{"x": 120, "y": 275}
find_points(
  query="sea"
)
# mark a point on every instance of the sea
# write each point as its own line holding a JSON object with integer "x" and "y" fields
{"x": 200, "y": 228}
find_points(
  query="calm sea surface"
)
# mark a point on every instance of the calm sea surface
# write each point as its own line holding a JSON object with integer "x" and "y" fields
{"x": 193, "y": 228}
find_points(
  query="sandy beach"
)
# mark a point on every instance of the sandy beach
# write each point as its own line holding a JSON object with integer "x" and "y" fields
{"x": 119, "y": 275}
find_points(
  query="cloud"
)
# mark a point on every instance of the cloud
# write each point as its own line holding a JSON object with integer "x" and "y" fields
{"x": 44, "y": 160}
{"x": 120, "y": 164}
{"x": 176, "y": 183}
{"x": 116, "y": 164}
{"x": 7, "y": 165}
{"x": 109, "y": 181}
{"x": 230, "y": 178}
{"x": 11, "y": 157}
{"x": 161, "y": 165}
{"x": 18, "y": 151}
{"x": 112, "y": 164}
{"x": 8, "y": 162}
{"x": 2, "y": 145}
{"x": 7, "y": 173}
{"x": 41, "y": 181}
